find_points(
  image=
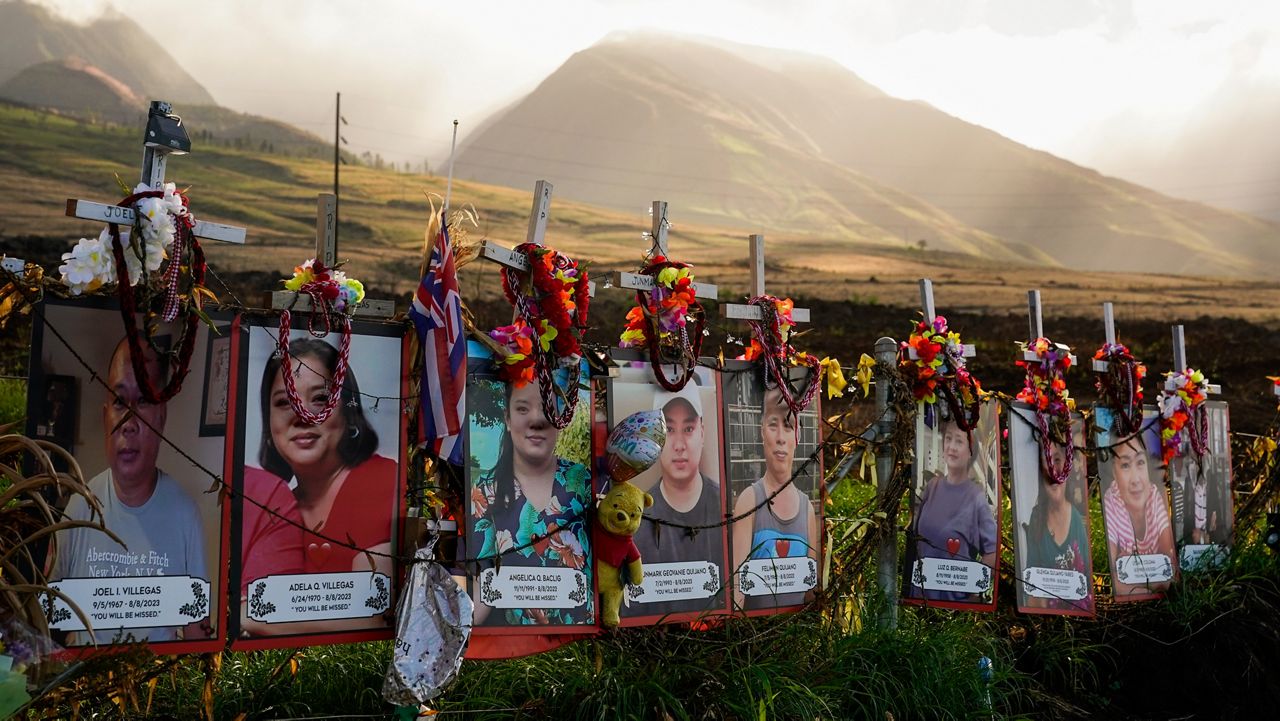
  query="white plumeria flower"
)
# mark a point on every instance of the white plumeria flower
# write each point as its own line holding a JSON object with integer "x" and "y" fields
{"x": 1169, "y": 405}
{"x": 88, "y": 265}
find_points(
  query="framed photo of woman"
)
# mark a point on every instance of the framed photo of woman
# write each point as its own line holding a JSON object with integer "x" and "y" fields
{"x": 953, "y": 542}
{"x": 1135, "y": 509}
{"x": 684, "y": 573}
{"x": 1051, "y": 520}
{"x": 1203, "y": 514}
{"x": 528, "y": 497}
{"x": 316, "y": 519}
{"x": 774, "y": 467}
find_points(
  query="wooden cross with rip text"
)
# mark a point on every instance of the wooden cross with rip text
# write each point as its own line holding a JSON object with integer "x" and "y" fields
{"x": 537, "y": 231}
{"x": 327, "y": 253}
{"x": 741, "y": 311}
{"x": 967, "y": 350}
{"x": 1180, "y": 361}
{"x": 1035, "y": 320}
{"x": 154, "y": 158}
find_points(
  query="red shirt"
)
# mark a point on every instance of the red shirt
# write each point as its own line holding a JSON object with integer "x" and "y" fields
{"x": 615, "y": 550}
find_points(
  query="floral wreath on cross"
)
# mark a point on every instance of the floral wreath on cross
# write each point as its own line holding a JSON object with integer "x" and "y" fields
{"x": 332, "y": 293}
{"x": 551, "y": 300}
{"x": 660, "y": 318}
{"x": 162, "y": 229}
{"x": 1045, "y": 389}
{"x": 1182, "y": 409}
{"x": 1120, "y": 386}
{"x": 939, "y": 367}
{"x": 771, "y": 344}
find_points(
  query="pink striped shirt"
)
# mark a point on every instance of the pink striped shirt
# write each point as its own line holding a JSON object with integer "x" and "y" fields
{"x": 1120, "y": 524}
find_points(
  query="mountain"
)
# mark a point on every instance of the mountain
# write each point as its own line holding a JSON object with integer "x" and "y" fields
{"x": 31, "y": 34}
{"x": 784, "y": 141}
{"x": 73, "y": 86}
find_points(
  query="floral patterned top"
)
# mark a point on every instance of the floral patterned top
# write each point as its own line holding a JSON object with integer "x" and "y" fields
{"x": 1070, "y": 555}
{"x": 497, "y": 531}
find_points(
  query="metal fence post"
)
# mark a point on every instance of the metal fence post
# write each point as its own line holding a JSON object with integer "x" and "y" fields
{"x": 886, "y": 351}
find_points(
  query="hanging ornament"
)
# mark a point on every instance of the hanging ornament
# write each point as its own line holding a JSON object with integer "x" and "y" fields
{"x": 771, "y": 344}
{"x": 1120, "y": 386}
{"x": 332, "y": 294}
{"x": 660, "y": 322}
{"x": 1183, "y": 413}
{"x": 1045, "y": 389}
{"x": 939, "y": 368}
{"x": 550, "y": 300}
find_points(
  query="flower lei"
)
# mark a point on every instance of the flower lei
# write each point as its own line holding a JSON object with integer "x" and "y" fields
{"x": 1181, "y": 408}
{"x": 331, "y": 291}
{"x": 660, "y": 318}
{"x": 551, "y": 301}
{"x": 940, "y": 365}
{"x": 771, "y": 342}
{"x": 1120, "y": 386}
{"x": 162, "y": 228}
{"x": 1045, "y": 389}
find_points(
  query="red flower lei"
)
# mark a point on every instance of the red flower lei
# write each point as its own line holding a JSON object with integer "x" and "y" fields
{"x": 939, "y": 365}
{"x": 554, "y": 304}
{"x": 771, "y": 342}
{"x": 183, "y": 238}
{"x": 1120, "y": 387}
{"x": 658, "y": 321}
{"x": 1045, "y": 389}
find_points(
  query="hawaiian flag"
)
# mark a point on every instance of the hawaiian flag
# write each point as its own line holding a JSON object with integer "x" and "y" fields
{"x": 437, "y": 314}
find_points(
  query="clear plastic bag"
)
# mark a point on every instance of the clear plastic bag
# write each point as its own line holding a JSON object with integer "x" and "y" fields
{"x": 433, "y": 626}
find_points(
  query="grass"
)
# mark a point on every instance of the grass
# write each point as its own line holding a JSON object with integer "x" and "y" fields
{"x": 13, "y": 400}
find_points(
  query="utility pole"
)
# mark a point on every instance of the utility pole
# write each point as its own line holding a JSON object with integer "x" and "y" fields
{"x": 338, "y": 141}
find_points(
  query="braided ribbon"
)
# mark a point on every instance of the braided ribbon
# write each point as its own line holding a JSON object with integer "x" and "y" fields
{"x": 1120, "y": 386}
{"x": 1045, "y": 389}
{"x": 687, "y": 346}
{"x": 778, "y": 354}
{"x": 558, "y": 301}
{"x": 316, "y": 290}
{"x": 183, "y": 237}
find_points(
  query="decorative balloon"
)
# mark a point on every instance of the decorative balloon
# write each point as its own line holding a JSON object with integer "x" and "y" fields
{"x": 635, "y": 444}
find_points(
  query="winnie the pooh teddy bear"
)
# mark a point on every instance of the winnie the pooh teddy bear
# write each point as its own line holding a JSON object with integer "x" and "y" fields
{"x": 617, "y": 519}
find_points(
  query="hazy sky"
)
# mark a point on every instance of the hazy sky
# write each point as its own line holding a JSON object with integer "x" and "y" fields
{"x": 1115, "y": 85}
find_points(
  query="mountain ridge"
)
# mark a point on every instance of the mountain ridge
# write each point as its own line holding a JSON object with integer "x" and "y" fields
{"x": 824, "y": 150}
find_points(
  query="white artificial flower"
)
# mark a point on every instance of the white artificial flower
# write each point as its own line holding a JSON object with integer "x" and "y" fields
{"x": 88, "y": 265}
{"x": 1169, "y": 405}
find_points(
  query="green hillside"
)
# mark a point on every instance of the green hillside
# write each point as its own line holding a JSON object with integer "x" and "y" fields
{"x": 46, "y": 158}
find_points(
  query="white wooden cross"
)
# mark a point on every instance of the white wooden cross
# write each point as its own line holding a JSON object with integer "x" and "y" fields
{"x": 154, "y": 158}
{"x": 1109, "y": 327}
{"x": 537, "y": 231}
{"x": 967, "y": 350}
{"x": 1180, "y": 361}
{"x": 740, "y": 311}
{"x": 1035, "y": 319}
{"x": 636, "y": 281}
{"x": 327, "y": 253}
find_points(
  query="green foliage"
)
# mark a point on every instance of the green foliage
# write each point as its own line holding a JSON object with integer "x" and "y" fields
{"x": 574, "y": 443}
{"x": 13, "y": 400}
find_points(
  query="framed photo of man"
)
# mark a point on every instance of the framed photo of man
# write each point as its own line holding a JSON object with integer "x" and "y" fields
{"x": 953, "y": 542}
{"x": 1203, "y": 512}
{"x": 1135, "y": 508}
{"x": 774, "y": 466}
{"x": 528, "y": 496}
{"x": 152, "y": 473}
{"x": 1051, "y": 520}
{"x": 684, "y": 570}
{"x": 317, "y": 517}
